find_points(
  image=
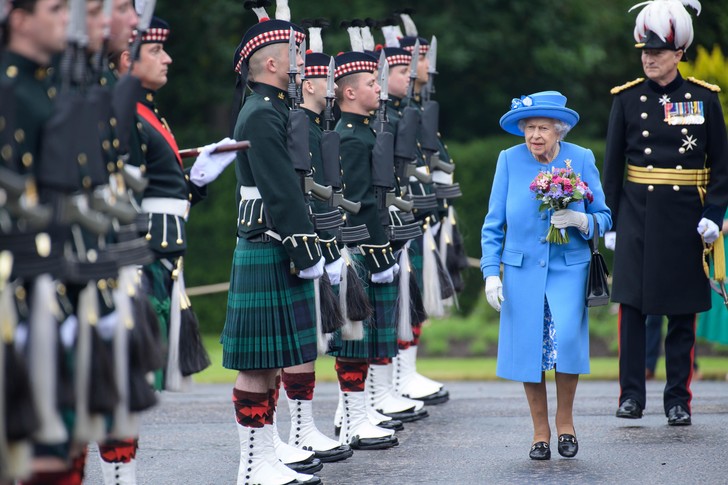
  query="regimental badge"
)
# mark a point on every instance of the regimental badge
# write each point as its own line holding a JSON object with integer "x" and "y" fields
{"x": 686, "y": 113}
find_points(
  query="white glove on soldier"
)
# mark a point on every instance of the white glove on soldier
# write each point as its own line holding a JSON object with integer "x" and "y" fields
{"x": 315, "y": 271}
{"x": 494, "y": 292}
{"x": 333, "y": 270}
{"x": 610, "y": 240}
{"x": 564, "y": 218}
{"x": 709, "y": 230}
{"x": 386, "y": 276}
{"x": 208, "y": 167}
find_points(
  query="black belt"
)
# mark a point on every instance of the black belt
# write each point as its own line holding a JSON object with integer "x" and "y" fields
{"x": 262, "y": 238}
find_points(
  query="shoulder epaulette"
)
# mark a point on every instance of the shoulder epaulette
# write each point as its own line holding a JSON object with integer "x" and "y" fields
{"x": 619, "y": 89}
{"x": 713, "y": 87}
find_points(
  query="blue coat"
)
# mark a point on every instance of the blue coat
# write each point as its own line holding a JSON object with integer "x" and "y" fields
{"x": 514, "y": 233}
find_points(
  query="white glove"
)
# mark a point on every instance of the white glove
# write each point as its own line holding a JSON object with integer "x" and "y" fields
{"x": 709, "y": 230}
{"x": 610, "y": 240}
{"x": 386, "y": 276}
{"x": 494, "y": 292}
{"x": 334, "y": 271}
{"x": 315, "y": 271}
{"x": 209, "y": 166}
{"x": 564, "y": 218}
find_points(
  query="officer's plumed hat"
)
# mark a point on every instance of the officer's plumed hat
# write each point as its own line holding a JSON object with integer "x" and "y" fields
{"x": 266, "y": 32}
{"x": 545, "y": 104}
{"x": 664, "y": 24}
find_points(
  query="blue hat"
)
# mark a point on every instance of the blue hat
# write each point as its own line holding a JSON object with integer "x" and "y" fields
{"x": 546, "y": 104}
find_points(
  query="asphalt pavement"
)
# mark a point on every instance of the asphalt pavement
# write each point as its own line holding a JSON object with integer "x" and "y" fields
{"x": 481, "y": 436}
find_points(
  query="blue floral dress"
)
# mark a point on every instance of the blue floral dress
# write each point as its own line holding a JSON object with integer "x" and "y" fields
{"x": 550, "y": 349}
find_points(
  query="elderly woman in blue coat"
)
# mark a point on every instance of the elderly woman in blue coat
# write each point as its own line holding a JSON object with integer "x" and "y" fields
{"x": 544, "y": 318}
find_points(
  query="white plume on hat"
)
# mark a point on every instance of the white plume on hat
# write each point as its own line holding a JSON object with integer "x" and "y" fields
{"x": 665, "y": 17}
{"x": 367, "y": 38}
{"x": 315, "y": 42}
{"x": 357, "y": 44}
{"x": 409, "y": 25}
{"x": 283, "y": 12}
{"x": 139, "y": 4}
{"x": 390, "y": 36}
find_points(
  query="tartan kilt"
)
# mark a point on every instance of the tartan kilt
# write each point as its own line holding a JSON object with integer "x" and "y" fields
{"x": 271, "y": 320}
{"x": 380, "y": 331}
{"x": 157, "y": 284}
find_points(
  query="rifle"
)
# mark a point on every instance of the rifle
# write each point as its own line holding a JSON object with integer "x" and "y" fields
{"x": 298, "y": 147}
{"x": 127, "y": 91}
{"x": 383, "y": 165}
{"x": 330, "y": 154}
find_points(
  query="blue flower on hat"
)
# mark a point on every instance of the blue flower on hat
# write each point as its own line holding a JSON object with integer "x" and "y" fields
{"x": 521, "y": 102}
{"x": 544, "y": 104}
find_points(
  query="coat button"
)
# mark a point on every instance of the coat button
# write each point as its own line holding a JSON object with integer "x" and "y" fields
{"x": 645, "y": 133}
{"x": 679, "y": 167}
{"x": 648, "y": 151}
{"x": 650, "y": 167}
{"x": 643, "y": 116}
{"x": 688, "y": 95}
{"x": 676, "y": 188}
{"x": 681, "y": 150}
{"x": 684, "y": 131}
{"x": 542, "y": 263}
{"x": 650, "y": 188}
{"x": 643, "y": 98}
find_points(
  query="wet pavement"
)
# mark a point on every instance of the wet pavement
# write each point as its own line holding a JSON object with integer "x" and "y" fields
{"x": 481, "y": 436}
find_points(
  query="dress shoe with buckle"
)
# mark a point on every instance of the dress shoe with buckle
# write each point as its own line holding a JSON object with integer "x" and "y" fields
{"x": 629, "y": 409}
{"x": 540, "y": 451}
{"x": 568, "y": 445}
{"x": 677, "y": 416}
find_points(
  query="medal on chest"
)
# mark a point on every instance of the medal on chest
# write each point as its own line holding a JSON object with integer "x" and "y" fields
{"x": 684, "y": 113}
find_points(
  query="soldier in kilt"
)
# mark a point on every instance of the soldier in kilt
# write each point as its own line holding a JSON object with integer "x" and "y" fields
{"x": 271, "y": 322}
{"x": 299, "y": 381}
{"x": 357, "y": 94}
{"x": 382, "y": 400}
{"x": 166, "y": 201}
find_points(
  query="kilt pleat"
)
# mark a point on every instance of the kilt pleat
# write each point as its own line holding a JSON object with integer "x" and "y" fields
{"x": 380, "y": 331}
{"x": 419, "y": 315}
{"x": 270, "y": 321}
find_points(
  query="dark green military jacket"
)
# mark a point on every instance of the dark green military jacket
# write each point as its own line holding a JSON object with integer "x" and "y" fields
{"x": 34, "y": 93}
{"x": 167, "y": 180}
{"x": 357, "y": 142}
{"x": 266, "y": 168}
{"x": 327, "y": 240}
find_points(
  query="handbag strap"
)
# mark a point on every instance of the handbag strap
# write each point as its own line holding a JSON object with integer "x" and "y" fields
{"x": 594, "y": 241}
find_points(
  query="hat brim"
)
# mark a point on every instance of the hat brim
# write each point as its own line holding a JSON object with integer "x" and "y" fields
{"x": 509, "y": 121}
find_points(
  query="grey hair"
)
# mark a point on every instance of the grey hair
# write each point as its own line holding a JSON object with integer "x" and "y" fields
{"x": 561, "y": 127}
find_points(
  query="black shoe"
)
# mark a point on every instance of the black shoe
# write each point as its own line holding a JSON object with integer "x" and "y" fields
{"x": 308, "y": 467}
{"x": 568, "y": 445}
{"x": 408, "y": 415}
{"x": 373, "y": 443}
{"x": 540, "y": 451}
{"x": 629, "y": 409}
{"x": 337, "y": 454}
{"x": 677, "y": 416}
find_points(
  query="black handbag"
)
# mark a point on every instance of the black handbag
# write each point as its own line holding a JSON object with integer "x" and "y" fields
{"x": 597, "y": 287}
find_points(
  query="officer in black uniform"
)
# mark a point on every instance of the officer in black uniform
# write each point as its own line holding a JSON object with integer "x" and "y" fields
{"x": 669, "y": 134}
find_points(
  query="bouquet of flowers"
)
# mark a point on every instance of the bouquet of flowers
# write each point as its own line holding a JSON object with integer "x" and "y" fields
{"x": 556, "y": 190}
